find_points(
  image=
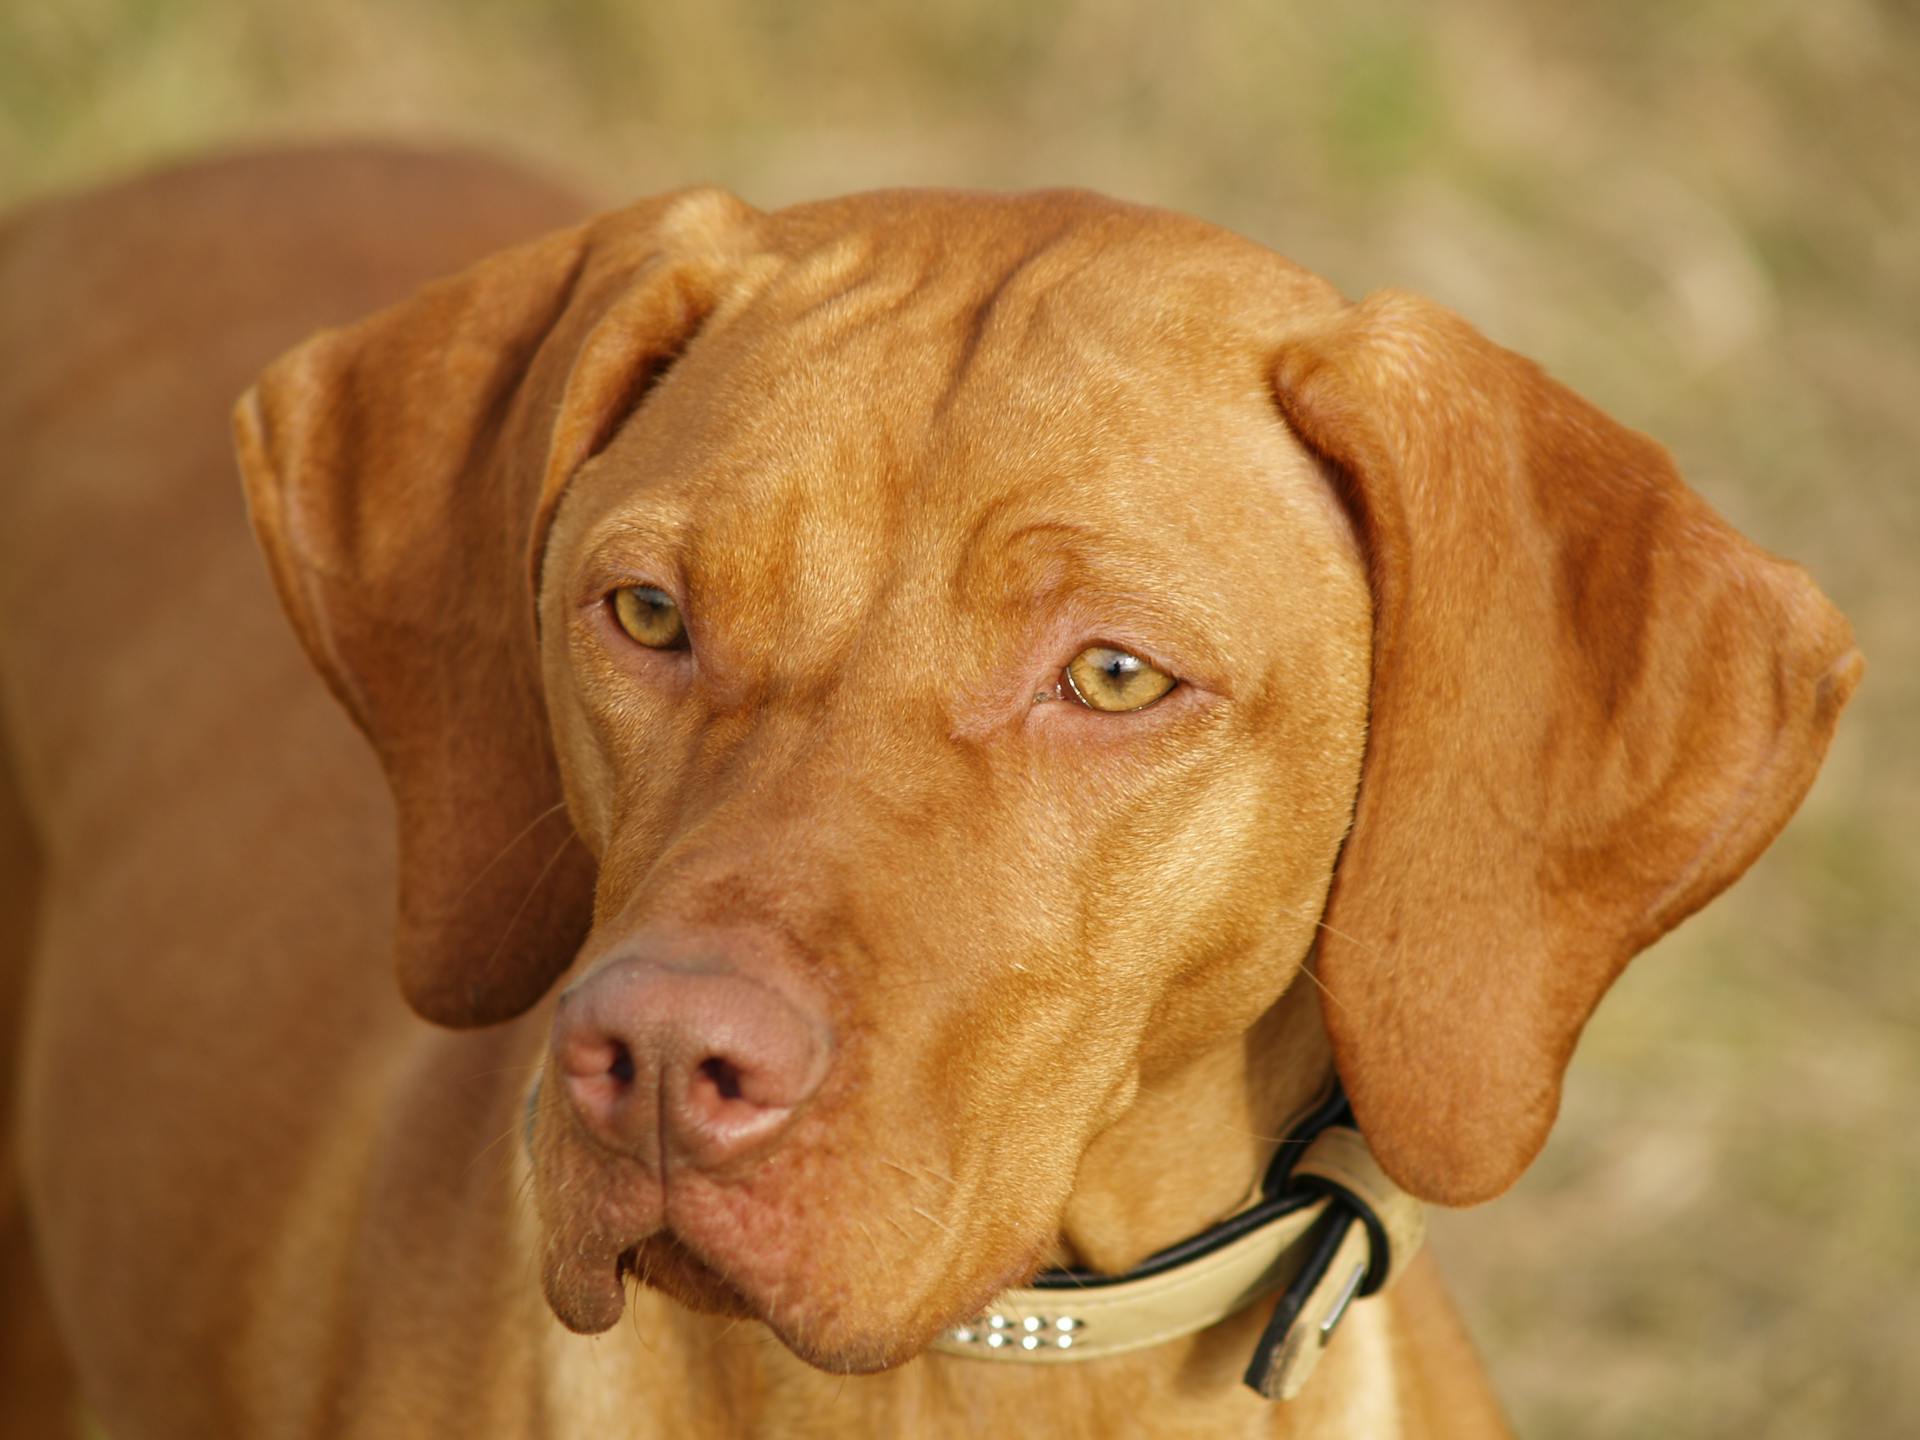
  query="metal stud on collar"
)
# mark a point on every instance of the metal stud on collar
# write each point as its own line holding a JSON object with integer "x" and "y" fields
{"x": 997, "y": 1330}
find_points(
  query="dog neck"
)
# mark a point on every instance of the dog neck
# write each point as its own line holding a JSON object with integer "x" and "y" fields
{"x": 1192, "y": 1146}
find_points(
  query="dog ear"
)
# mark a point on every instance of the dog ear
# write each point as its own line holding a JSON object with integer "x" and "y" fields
{"x": 1593, "y": 704}
{"x": 401, "y": 474}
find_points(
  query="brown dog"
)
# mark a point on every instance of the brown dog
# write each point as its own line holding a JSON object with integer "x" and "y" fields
{"x": 880, "y": 700}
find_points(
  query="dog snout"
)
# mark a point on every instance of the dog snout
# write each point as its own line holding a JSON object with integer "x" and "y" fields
{"x": 671, "y": 1066}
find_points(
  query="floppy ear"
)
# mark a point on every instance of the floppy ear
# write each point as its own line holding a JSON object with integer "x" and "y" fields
{"x": 1593, "y": 705}
{"x": 401, "y": 473}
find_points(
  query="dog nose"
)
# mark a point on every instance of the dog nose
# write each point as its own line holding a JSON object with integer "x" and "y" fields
{"x": 683, "y": 1066}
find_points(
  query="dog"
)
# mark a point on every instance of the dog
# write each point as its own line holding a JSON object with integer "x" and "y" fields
{"x": 985, "y": 794}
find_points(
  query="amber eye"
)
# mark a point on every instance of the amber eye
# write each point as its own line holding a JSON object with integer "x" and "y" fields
{"x": 1112, "y": 680}
{"x": 650, "y": 617}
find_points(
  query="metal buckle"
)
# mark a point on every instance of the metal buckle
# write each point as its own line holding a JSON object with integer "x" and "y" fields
{"x": 1342, "y": 1301}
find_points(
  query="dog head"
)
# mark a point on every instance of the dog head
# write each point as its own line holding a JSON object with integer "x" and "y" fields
{"x": 931, "y": 665}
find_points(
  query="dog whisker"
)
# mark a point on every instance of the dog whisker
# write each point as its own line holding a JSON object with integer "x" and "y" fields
{"x": 931, "y": 1219}
{"x": 525, "y": 900}
{"x": 511, "y": 845}
{"x": 1321, "y": 986}
{"x": 1372, "y": 952}
{"x": 920, "y": 1172}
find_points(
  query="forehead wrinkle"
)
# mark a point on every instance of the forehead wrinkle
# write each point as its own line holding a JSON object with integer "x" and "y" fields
{"x": 1138, "y": 524}
{"x": 916, "y": 318}
{"x": 1010, "y": 307}
{"x": 793, "y": 552}
{"x": 914, "y": 323}
{"x": 811, "y": 525}
{"x": 1051, "y": 573}
{"x": 1090, "y": 402}
{"x": 830, "y": 505}
{"x": 1081, "y": 306}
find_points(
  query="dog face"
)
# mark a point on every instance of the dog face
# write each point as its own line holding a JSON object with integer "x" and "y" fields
{"x": 890, "y": 526}
{"x": 964, "y": 633}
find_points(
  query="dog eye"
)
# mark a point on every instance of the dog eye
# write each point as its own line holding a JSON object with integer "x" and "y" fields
{"x": 1103, "y": 678}
{"x": 650, "y": 617}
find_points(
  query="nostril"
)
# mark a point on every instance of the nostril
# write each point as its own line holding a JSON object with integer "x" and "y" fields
{"x": 601, "y": 1078}
{"x": 724, "y": 1076}
{"x": 621, "y": 1067}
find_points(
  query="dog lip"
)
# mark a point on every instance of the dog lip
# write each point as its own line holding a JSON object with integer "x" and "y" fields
{"x": 585, "y": 1285}
{"x": 665, "y": 1262}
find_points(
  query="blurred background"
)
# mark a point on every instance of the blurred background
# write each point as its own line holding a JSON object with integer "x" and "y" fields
{"x": 1705, "y": 216}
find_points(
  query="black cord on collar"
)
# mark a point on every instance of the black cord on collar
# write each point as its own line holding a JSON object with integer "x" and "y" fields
{"x": 1281, "y": 1194}
{"x": 1278, "y": 1197}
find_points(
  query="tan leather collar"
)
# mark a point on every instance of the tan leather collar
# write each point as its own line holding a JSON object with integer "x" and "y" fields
{"x": 1336, "y": 1229}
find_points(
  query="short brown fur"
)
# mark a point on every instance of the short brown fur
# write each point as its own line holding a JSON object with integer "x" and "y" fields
{"x": 1473, "y": 690}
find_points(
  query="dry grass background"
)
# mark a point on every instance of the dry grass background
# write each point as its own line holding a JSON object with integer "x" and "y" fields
{"x": 1704, "y": 215}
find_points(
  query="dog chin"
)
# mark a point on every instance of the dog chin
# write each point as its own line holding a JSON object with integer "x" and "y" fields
{"x": 818, "y": 1324}
{"x": 588, "y": 1295}
{"x": 841, "y": 1346}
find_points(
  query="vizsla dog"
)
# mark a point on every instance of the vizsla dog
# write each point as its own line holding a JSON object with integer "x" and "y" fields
{"x": 988, "y": 792}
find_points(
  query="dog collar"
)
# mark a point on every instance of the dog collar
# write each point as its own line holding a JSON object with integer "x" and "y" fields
{"x": 1325, "y": 1227}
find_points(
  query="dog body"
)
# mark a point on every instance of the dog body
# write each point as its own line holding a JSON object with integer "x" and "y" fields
{"x": 894, "y": 969}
